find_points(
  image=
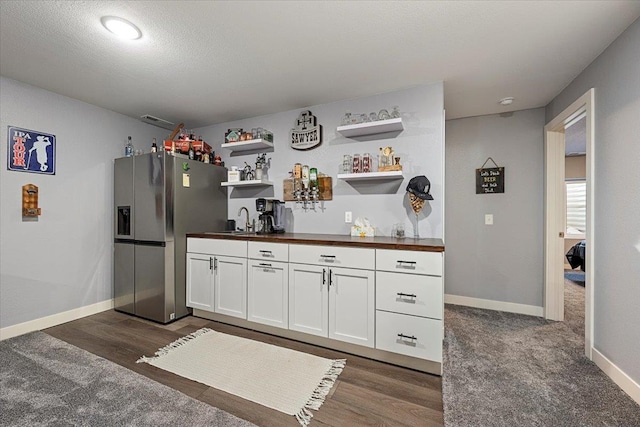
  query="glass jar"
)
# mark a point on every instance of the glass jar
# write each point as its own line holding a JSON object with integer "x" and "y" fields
{"x": 346, "y": 119}
{"x": 357, "y": 165}
{"x": 383, "y": 115}
{"x": 347, "y": 163}
{"x": 366, "y": 163}
{"x": 395, "y": 113}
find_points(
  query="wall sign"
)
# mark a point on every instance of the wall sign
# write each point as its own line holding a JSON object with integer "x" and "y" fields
{"x": 307, "y": 134}
{"x": 489, "y": 180}
{"x": 31, "y": 151}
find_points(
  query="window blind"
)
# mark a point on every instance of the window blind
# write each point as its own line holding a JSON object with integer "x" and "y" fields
{"x": 576, "y": 206}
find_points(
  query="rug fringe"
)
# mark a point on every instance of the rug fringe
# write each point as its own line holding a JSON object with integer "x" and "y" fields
{"x": 320, "y": 393}
{"x": 177, "y": 343}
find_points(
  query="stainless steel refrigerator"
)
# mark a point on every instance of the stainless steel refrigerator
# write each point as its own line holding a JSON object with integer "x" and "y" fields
{"x": 158, "y": 198}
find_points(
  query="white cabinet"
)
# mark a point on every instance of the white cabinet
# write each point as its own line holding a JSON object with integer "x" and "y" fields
{"x": 309, "y": 299}
{"x": 409, "y": 303}
{"x": 217, "y": 276}
{"x": 352, "y": 306}
{"x": 230, "y": 286}
{"x": 268, "y": 293}
{"x": 333, "y": 302}
{"x": 200, "y": 281}
{"x": 268, "y": 285}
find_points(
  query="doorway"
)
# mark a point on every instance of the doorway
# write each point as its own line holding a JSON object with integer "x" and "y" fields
{"x": 554, "y": 213}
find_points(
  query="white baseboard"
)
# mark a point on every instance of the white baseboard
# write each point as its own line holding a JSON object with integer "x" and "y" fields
{"x": 54, "y": 319}
{"x": 510, "y": 307}
{"x": 617, "y": 375}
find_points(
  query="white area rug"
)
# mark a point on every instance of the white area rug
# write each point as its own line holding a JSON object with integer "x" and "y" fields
{"x": 285, "y": 380}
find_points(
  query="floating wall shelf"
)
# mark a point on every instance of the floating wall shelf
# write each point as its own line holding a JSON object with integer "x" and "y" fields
{"x": 250, "y": 183}
{"x": 371, "y": 176}
{"x": 253, "y": 144}
{"x": 370, "y": 128}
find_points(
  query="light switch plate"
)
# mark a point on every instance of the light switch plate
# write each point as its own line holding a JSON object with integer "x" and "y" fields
{"x": 488, "y": 219}
{"x": 348, "y": 217}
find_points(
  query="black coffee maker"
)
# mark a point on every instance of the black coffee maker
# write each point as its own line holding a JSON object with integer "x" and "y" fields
{"x": 271, "y": 215}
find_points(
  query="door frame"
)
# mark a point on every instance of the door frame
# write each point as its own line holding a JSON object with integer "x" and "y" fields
{"x": 554, "y": 213}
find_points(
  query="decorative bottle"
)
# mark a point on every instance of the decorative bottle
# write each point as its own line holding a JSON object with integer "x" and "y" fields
{"x": 128, "y": 147}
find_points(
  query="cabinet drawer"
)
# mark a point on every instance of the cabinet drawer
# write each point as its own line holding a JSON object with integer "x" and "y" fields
{"x": 269, "y": 251}
{"x": 409, "y": 294}
{"x": 409, "y": 335}
{"x": 333, "y": 256}
{"x": 409, "y": 261}
{"x": 234, "y": 248}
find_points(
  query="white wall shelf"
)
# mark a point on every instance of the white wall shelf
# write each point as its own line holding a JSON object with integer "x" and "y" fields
{"x": 371, "y": 176}
{"x": 370, "y": 128}
{"x": 250, "y": 183}
{"x": 253, "y": 144}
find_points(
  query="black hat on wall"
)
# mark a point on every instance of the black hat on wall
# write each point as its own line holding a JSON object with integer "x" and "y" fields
{"x": 420, "y": 186}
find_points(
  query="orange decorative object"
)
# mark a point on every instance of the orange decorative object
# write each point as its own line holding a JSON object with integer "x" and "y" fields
{"x": 182, "y": 146}
{"x": 30, "y": 200}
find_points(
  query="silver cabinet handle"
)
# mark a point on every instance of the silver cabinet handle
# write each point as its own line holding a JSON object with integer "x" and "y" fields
{"x": 266, "y": 253}
{"x": 401, "y": 294}
{"x": 210, "y": 263}
{"x": 330, "y": 277}
{"x": 215, "y": 263}
{"x": 324, "y": 276}
{"x": 406, "y": 264}
{"x": 264, "y": 264}
{"x": 328, "y": 257}
{"x": 412, "y": 338}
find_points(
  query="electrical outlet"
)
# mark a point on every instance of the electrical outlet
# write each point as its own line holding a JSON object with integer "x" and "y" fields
{"x": 347, "y": 217}
{"x": 488, "y": 219}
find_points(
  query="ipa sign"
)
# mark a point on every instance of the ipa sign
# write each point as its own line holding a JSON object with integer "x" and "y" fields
{"x": 489, "y": 181}
{"x": 31, "y": 151}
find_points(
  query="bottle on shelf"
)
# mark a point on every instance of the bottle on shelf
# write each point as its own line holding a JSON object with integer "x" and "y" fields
{"x": 313, "y": 177}
{"x": 128, "y": 147}
{"x": 192, "y": 153}
{"x": 154, "y": 146}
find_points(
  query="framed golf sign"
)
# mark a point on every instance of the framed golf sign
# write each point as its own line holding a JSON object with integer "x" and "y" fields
{"x": 31, "y": 151}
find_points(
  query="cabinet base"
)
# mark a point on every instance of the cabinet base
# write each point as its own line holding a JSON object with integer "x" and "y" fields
{"x": 422, "y": 365}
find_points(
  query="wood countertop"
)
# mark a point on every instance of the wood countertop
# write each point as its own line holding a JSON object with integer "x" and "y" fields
{"x": 378, "y": 242}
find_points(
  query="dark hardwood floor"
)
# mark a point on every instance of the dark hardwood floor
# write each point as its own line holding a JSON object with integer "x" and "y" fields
{"x": 367, "y": 393}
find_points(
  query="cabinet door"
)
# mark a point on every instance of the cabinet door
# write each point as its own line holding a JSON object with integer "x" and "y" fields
{"x": 352, "y": 306}
{"x": 200, "y": 281}
{"x": 308, "y": 299}
{"x": 268, "y": 293}
{"x": 230, "y": 286}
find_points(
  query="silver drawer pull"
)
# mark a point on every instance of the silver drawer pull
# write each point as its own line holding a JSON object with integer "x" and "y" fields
{"x": 401, "y": 294}
{"x": 412, "y": 338}
{"x": 405, "y": 264}
{"x": 264, "y": 264}
{"x": 328, "y": 257}
{"x": 266, "y": 253}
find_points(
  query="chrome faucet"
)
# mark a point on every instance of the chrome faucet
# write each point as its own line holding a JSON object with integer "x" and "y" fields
{"x": 247, "y": 225}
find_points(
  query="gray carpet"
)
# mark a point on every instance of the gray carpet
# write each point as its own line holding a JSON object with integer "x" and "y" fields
{"x": 504, "y": 369}
{"x": 45, "y": 381}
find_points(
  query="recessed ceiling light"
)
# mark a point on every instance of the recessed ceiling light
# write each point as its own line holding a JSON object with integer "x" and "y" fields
{"x": 121, "y": 27}
{"x": 506, "y": 101}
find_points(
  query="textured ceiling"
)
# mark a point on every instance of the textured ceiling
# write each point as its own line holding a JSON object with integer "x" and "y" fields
{"x": 205, "y": 62}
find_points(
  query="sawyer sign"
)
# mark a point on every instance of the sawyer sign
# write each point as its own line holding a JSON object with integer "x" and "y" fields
{"x": 307, "y": 134}
{"x": 489, "y": 181}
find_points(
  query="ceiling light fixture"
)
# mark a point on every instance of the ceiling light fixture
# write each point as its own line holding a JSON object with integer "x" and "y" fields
{"x": 121, "y": 27}
{"x": 506, "y": 101}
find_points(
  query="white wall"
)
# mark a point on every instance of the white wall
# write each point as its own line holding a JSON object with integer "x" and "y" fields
{"x": 615, "y": 76}
{"x": 503, "y": 261}
{"x": 420, "y": 147}
{"x": 62, "y": 261}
